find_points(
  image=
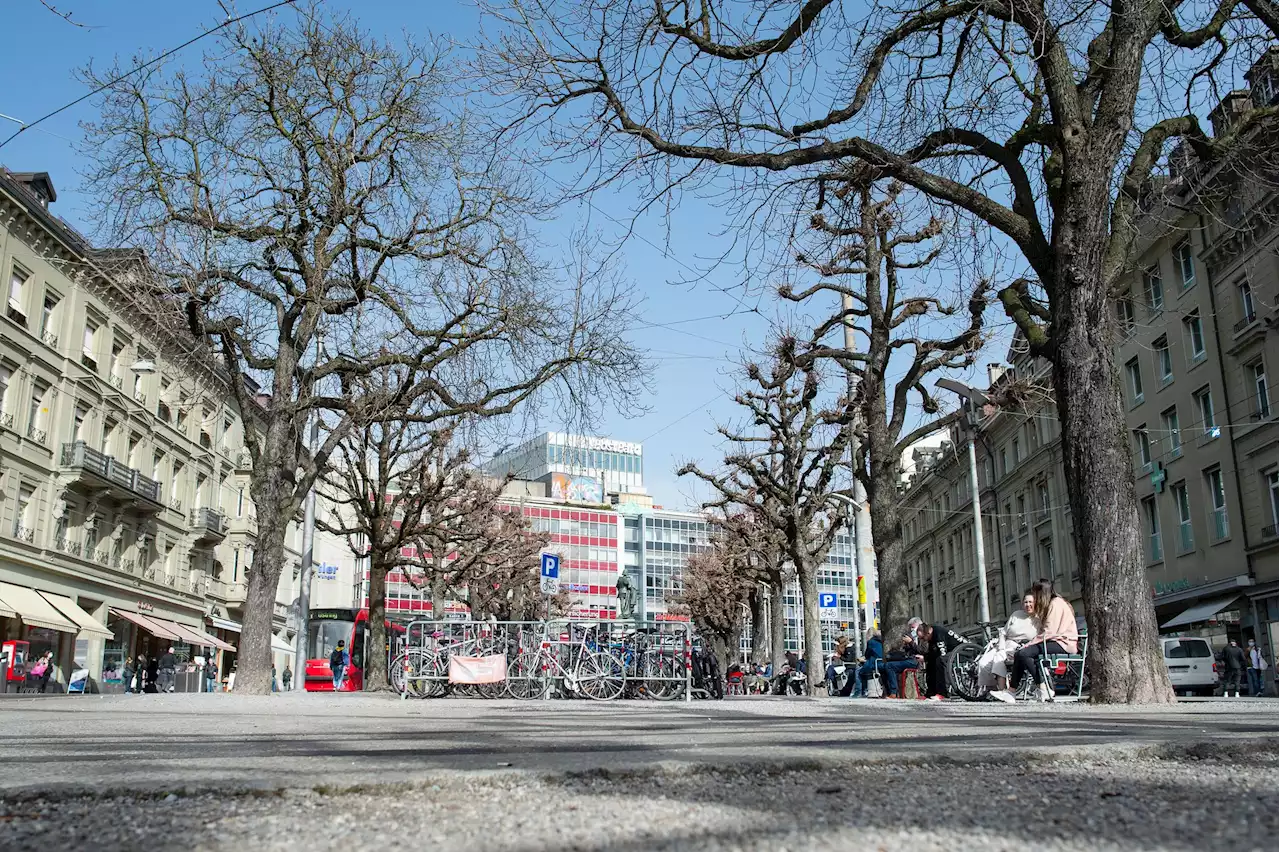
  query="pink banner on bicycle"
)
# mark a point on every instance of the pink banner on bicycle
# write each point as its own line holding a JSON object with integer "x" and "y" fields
{"x": 492, "y": 669}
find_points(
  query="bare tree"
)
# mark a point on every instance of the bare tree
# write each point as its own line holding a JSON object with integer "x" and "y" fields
{"x": 1040, "y": 122}
{"x": 716, "y": 586}
{"x": 309, "y": 182}
{"x": 792, "y": 451}
{"x": 865, "y": 256}
{"x": 761, "y": 551}
{"x": 410, "y": 500}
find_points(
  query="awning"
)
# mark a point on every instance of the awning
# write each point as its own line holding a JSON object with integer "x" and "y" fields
{"x": 223, "y": 624}
{"x": 185, "y": 633}
{"x": 34, "y": 610}
{"x": 157, "y": 630}
{"x": 88, "y": 624}
{"x": 209, "y": 640}
{"x": 1201, "y": 611}
{"x": 280, "y": 646}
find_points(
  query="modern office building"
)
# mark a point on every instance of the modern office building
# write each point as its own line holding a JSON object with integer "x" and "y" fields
{"x": 1197, "y": 351}
{"x": 580, "y": 468}
{"x": 125, "y": 522}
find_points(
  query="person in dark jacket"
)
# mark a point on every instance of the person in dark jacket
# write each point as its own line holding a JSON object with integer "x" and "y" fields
{"x": 934, "y": 641}
{"x": 165, "y": 671}
{"x": 901, "y": 655}
{"x": 873, "y": 653}
{"x": 1234, "y": 662}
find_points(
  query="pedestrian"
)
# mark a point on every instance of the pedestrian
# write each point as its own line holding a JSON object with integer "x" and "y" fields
{"x": 338, "y": 660}
{"x": 211, "y": 674}
{"x": 935, "y": 641}
{"x": 153, "y": 675}
{"x": 140, "y": 673}
{"x": 1257, "y": 665}
{"x": 38, "y": 674}
{"x": 126, "y": 675}
{"x": 274, "y": 687}
{"x": 1234, "y": 663}
{"x": 164, "y": 671}
{"x": 287, "y": 677}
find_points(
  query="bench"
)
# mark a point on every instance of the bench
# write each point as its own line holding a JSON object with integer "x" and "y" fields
{"x": 1054, "y": 664}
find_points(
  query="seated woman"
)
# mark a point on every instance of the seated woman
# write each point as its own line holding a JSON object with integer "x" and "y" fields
{"x": 901, "y": 656}
{"x": 1058, "y": 635}
{"x": 993, "y": 665}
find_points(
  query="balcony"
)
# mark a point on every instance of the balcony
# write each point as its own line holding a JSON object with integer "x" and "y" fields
{"x": 208, "y": 525}
{"x": 1269, "y": 532}
{"x": 96, "y": 471}
{"x": 27, "y": 534}
{"x": 1244, "y": 323}
{"x": 228, "y": 592}
{"x": 50, "y": 339}
{"x": 67, "y": 546}
{"x": 37, "y": 435}
{"x": 6, "y": 420}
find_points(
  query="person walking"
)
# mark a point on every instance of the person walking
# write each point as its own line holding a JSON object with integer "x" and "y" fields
{"x": 126, "y": 675}
{"x": 1257, "y": 665}
{"x": 211, "y": 674}
{"x": 1234, "y": 663}
{"x": 338, "y": 660}
{"x": 287, "y": 677}
{"x": 165, "y": 671}
{"x": 140, "y": 670}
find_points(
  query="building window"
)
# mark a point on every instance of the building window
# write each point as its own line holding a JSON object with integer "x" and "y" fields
{"x": 1204, "y": 404}
{"x": 1185, "y": 262}
{"x": 78, "y": 431}
{"x": 1046, "y": 559}
{"x": 6, "y": 376}
{"x": 1143, "y": 442}
{"x": 162, "y": 405}
{"x": 1124, "y": 314}
{"x": 1273, "y": 489}
{"x": 1164, "y": 360}
{"x": 1261, "y": 399}
{"x": 1186, "y": 539}
{"x": 1017, "y": 451}
{"x": 1004, "y": 462}
{"x": 1174, "y": 433}
{"x": 1022, "y": 511}
{"x": 1153, "y": 286}
{"x": 1195, "y": 337}
{"x": 18, "y": 279}
{"x": 1248, "y": 311}
{"x": 1217, "y": 504}
{"x": 48, "y": 319}
{"x": 36, "y": 411}
{"x": 1151, "y": 514}
{"x": 22, "y": 527}
{"x": 1133, "y": 370}
{"x": 89, "y": 350}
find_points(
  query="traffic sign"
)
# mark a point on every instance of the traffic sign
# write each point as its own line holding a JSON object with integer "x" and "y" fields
{"x": 828, "y": 610}
{"x": 550, "y": 577}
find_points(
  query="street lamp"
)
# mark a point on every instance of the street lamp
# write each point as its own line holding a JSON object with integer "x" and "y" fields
{"x": 972, "y": 400}
{"x": 858, "y": 574}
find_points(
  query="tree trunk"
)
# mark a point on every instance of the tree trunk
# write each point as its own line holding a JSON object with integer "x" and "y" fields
{"x": 777, "y": 626}
{"x": 253, "y": 661}
{"x": 886, "y": 534}
{"x": 1125, "y": 663}
{"x": 759, "y": 627}
{"x": 375, "y": 659}
{"x": 815, "y": 670}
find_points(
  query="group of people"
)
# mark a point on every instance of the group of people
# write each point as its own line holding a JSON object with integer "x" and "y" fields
{"x": 1045, "y": 626}
{"x": 154, "y": 674}
{"x": 1237, "y": 664}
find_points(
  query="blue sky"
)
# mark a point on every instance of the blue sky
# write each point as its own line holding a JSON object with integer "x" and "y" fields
{"x": 695, "y": 332}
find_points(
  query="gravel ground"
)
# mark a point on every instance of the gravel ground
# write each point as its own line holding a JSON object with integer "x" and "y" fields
{"x": 1206, "y": 797}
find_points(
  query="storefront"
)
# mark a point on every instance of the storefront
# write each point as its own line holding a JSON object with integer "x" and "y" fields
{"x": 48, "y": 623}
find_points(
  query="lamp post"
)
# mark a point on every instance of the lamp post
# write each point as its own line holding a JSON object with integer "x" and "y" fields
{"x": 852, "y": 506}
{"x": 972, "y": 401}
{"x": 859, "y": 511}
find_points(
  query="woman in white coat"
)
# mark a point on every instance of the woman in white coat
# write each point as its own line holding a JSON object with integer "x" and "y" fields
{"x": 1021, "y": 628}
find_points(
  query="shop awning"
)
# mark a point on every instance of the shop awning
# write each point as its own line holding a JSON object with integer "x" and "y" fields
{"x": 209, "y": 640}
{"x": 157, "y": 630}
{"x": 224, "y": 624}
{"x": 185, "y": 633}
{"x": 280, "y": 646}
{"x": 1201, "y": 612}
{"x": 34, "y": 610}
{"x": 89, "y": 626}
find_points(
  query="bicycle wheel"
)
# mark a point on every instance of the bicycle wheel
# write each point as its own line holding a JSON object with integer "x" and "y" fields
{"x": 664, "y": 676}
{"x": 600, "y": 676}
{"x": 961, "y": 667}
{"x": 524, "y": 676}
{"x": 430, "y": 676}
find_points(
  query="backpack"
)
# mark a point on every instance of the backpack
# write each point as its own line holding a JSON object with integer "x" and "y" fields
{"x": 335, "y": 658}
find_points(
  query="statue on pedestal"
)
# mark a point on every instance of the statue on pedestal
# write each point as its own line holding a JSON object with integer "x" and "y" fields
{"x": 626, "y": 597}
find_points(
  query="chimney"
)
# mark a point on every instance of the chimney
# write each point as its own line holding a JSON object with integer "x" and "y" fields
{"x": 995, "y": 372}
{"x": 1225, "y": 115}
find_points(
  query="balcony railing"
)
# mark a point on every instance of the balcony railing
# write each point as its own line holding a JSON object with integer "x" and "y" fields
{"x": 50, "y": 339}
{"x": 67, "y": 546}
{"x": 1186, "y": 539}
{"x": 26, "y": 534}
{"x": 1220, "y": 526}
{"x": 37, "y": 435}
{"x": 207, "y": 523}
{"x": 1269, "y": 531}
{"x": 117, "y": 382}
{"x": 6, "y": 420}
{"x": 83, "y": 457}
{"x": 1244, "y": 322}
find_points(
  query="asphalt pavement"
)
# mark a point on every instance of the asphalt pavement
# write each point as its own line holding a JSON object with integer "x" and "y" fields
{"x": 68, "y": 744}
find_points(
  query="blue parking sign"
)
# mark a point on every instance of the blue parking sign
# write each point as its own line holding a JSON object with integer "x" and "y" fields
{"x": 828, "y": 607}
{"x": 551, "y": 565}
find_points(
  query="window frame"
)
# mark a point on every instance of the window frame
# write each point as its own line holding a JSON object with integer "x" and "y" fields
{"x": 1182, "y": 258}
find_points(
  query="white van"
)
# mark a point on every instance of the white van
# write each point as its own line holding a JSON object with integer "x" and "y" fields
{"x": 1192, "y": 668}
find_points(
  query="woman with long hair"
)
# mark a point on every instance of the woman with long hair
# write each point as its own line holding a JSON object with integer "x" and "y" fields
{"x": 993, "y": 665}
{"x": 1058, "y": 635}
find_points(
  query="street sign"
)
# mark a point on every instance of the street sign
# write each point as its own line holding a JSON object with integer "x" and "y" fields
{"x": 550, "y": 575}
{"x": 827, "y": 607}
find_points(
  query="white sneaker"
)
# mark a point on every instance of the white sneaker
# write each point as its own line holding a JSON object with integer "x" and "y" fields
{"x": 1001, "y": 695}
{"x": 1045, "y": 694}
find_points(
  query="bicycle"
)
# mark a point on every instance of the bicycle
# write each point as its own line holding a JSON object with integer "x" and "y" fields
{"x": 592, "y": 671}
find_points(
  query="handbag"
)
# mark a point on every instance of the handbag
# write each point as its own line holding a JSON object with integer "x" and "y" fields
{"x": 875, "y": 688}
